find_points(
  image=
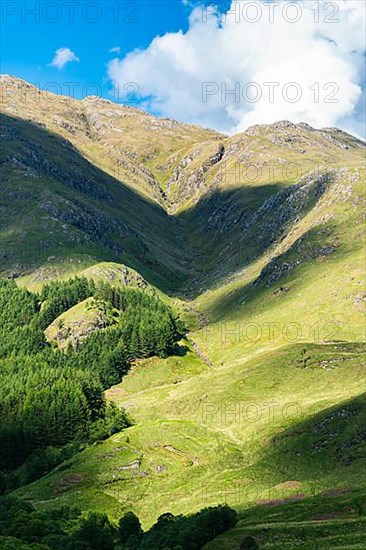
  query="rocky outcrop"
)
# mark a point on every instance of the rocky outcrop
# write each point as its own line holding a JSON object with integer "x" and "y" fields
{"x": 189, "y": 177}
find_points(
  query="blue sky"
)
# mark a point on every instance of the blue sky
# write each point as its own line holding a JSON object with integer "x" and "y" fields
{"x": 29, "y": 42}
{"x": 302, "y": 60}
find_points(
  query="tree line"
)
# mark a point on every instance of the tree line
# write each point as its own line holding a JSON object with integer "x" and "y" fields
{"x": 22, "y": 527}
{"x": 53, "y": 399}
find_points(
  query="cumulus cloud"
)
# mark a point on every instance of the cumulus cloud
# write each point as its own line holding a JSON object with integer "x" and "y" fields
{"x": 258, "y": 62}
{"x": 62, "y": 57}
{"x": 115, "y": 49}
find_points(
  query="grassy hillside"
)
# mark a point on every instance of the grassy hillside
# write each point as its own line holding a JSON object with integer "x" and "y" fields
{"x": 58, "y": 208}
{"x": 257, "y": 240}
{"x": 331, "y": 520}
{"x": 133, "y": 147}
{"x": 125, "y": 170}
{"x": 210, "y": 438}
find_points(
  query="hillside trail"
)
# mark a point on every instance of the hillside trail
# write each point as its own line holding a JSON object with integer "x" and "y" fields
{"x": 203, "y": 322}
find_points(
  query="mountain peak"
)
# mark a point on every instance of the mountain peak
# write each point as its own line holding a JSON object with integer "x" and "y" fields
{"x": 11, "y": 79}
{"x": 279, "y": 126}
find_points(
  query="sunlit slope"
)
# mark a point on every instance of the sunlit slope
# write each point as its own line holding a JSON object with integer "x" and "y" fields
{"x": 308, "y": 285}
{"x": 132, "y": 146}
{"x": 280, "y": 353}
{"x": 209, "y": 439}
{"x": 76, "y": 324}
{"x": 253, "y": 204}
{"x": 184, "y": 205}
{"x": 108, "y": 272}
{"x": 259, "y": 241}
{"x": 278, "y": 408}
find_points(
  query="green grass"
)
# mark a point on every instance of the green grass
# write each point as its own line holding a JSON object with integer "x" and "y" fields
{"x": 242, "y": 431}
{"x": 330, "y": 520}
{"x": 156, "y": 372}
{"x": 208, "y": 438}
{"x": 268, "y": 276}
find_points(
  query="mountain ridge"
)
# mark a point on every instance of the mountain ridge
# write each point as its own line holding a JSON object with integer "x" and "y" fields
{"x": 257, "y": 242}
{"x": 280, "y": 124}
{"x": 202, "y": 183}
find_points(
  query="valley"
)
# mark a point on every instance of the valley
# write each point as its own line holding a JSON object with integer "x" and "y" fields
{"x": 256, "y": 242}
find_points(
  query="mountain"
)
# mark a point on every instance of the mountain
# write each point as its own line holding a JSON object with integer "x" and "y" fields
{"x": 127, "y": 171}
{"x": 257, "y": 242}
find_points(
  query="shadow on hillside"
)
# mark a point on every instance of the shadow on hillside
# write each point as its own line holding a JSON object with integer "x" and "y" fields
{"x": 326, "y": 450}
{"x": 216, "y": 229}
{"x": 279, "y": 275}
{"x": 330, "y": 444}
{"x": 306, "y": 522}
{"x": 45, "y": 176}
{"x": 246, "y": 223}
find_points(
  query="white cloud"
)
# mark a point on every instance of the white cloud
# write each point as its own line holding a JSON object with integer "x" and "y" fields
{"x": 323, "y": 53}
{"x": 115, "y": 49}
{"x": 62, "y": 57}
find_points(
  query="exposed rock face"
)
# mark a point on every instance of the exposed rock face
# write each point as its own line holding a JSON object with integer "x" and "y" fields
{"x": 74, "y": 328}
{"x": 164, "y": 196}
{"x": 118, "y": 274}
{"x": 188, "y": 178}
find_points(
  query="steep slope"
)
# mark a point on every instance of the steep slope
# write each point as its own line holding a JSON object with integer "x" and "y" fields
{"x": 260, "y": 239}
{"x": 269, "y": 178}
{"x": 57, "y": 206}
{"x": 135, "y": 148}
{"x": 211, "y": 185}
